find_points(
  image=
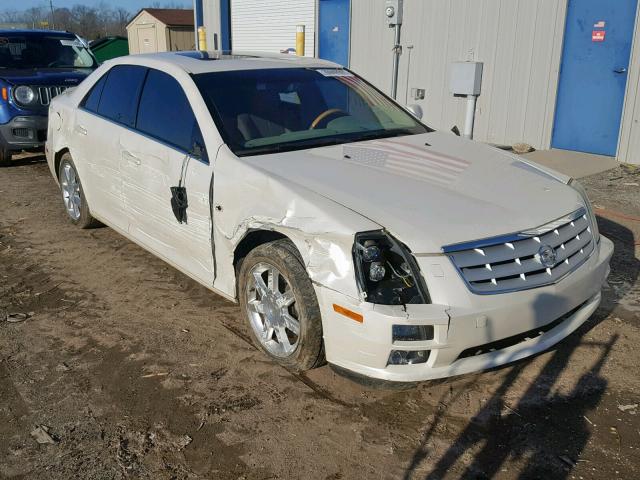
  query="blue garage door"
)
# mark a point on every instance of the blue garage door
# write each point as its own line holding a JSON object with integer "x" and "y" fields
{"x": 593, "y": 75}
{"x": 333, "y": 31}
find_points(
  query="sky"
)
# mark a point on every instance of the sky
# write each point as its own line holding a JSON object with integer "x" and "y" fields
{"x": 133, "y": 5}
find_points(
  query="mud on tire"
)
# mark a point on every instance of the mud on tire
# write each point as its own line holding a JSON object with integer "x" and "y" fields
{"x": 283, "y": 255}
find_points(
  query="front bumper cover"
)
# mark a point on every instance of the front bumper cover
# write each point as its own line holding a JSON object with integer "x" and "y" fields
{"x": 491, "y": 326}
{"x": 24, "y": 132}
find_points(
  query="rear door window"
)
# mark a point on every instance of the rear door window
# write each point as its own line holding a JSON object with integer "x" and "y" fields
{"x": 121, "y": 92}
{"x": 92, "y": 99}
{"x": 165, "y": 113}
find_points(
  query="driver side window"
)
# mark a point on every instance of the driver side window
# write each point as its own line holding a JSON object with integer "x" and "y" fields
{"x": 166, "y": 114}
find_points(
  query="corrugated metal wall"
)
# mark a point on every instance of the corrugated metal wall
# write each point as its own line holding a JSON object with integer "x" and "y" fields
{"x": 519, "y": 41}
{"x": 270, "y": 25}
{"x": 629, "y": 143}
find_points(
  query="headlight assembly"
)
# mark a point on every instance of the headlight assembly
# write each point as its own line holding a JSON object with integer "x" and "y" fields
{"x": 386, "y": 272}
{"x": 577, "y": 186}
{"x": 25, "y": 95}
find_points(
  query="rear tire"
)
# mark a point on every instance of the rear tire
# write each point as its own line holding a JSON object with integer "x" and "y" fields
{"x": 282, "y": 309}
{"x": 73, "y": 197}
{"x": 5, "y": 157}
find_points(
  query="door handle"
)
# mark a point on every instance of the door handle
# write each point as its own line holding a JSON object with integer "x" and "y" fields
{"x": 131, "y": 158}
{"x": 620, "y": 70}
{"x": 81, "y": 130}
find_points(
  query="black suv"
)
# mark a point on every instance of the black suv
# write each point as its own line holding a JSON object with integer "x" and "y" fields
{"x": 35, "y": 66}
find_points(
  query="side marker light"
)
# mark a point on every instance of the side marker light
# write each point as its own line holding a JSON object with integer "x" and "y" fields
{"x": 348, "y": 313}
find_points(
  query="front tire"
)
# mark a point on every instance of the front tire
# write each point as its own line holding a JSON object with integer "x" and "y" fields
{"x": 5, "y": 157}
{"x": 279, "y": 303}
{"x": 73, "y": 197}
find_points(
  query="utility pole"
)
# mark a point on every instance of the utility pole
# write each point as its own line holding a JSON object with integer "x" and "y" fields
{"x": 393, "y": 11}
{"x": 53, "y": 25}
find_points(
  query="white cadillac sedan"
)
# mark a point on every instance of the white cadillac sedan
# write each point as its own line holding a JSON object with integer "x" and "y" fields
{"x": 345, "y": 228}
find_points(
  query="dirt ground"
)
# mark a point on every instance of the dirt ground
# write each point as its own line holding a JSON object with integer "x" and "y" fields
{"x": 126, "y": 368}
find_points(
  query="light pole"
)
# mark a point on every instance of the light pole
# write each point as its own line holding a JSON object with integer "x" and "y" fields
{"x": 53, "y": 23}
{"x": 393, "y": 11}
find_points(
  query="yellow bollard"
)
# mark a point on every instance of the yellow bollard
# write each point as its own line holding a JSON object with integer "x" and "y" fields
{"x": 300, "y": 40}
{"x": 202, "y": 38}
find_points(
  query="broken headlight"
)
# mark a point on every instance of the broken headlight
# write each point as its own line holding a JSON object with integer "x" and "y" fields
{"x": 386, "y": 272}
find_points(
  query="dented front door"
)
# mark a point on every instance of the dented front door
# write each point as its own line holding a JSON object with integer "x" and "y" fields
{"x": 149, "y": 170}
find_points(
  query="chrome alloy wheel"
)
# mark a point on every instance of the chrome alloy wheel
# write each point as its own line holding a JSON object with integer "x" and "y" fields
{"x": 271, "y": 306}
{"x": 71, "y": 191}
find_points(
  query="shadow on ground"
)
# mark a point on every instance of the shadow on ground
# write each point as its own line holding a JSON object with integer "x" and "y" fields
{"x": 23, "y": 159}
{"x": 544, "y": 431}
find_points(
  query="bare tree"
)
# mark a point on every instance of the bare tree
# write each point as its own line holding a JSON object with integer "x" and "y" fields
{"x": 88, "y": 22}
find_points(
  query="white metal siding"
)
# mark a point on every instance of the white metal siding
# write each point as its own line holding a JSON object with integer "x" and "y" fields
{"x": 629, "y": 144}
{"x": 270, "y": 25}
{"x": 519, "y": 41}
{"x": 371, "y": 43}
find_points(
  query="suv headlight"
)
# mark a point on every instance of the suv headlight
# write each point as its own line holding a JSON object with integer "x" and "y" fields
{"x": 386, "y": 272}
{"x": 577, "y": 186}
{"x": 25, "y": 95}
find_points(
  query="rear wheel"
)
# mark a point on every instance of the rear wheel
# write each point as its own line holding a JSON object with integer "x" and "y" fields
{"x": 280, "y": 305}
{"x": 73, "y": 197}
{"x": 5, "y": 157}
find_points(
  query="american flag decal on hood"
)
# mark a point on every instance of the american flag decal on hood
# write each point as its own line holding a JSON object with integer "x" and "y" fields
{"x": 407, "y": 160}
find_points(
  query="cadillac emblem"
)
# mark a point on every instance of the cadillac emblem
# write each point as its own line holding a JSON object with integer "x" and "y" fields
{"x": 547, "y": 256}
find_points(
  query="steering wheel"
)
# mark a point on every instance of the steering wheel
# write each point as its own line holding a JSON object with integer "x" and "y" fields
{"x": 56, "y": 63}
{"x": 325, "y": 114}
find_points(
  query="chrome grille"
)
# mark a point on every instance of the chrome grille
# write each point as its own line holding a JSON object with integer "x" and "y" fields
{"x": 46, "y": 93}
{"x": 518, "y": 262}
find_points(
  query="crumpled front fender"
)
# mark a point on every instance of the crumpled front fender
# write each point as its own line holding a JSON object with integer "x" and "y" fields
{"x": 248, "y": 199}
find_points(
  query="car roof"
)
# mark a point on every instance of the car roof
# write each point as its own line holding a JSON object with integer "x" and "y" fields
{"x": 196, "y": 62}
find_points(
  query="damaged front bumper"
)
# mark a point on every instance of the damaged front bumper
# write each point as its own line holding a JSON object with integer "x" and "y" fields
{"x": 470, "y": 332}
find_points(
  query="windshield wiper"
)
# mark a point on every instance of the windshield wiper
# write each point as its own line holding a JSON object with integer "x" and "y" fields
{"x": 398, "y": 132}
{"x": 292, "y": 146}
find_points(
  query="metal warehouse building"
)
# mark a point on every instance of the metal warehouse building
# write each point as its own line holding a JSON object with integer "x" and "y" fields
{"x": 557, "y": 73}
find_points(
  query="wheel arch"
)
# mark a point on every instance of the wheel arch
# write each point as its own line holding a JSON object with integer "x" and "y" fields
{"x": 251, "y": 240}
{"x": 57, "y": 160}
{"x": 259, "y": 236}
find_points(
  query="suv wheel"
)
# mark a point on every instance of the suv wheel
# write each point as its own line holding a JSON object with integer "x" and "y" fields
{"x": 279, "y": 302}
{"x": 5, "y": 157}
{"x": 72, "y": 195}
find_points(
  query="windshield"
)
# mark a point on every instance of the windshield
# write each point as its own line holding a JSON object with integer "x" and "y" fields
{"x": 275, "y": 110}
{"x": 47, "y": 51}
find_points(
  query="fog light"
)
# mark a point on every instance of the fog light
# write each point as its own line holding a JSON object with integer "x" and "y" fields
{"x": 412, "y": 333}
{"x": 377, "y": 272}
{"x": 403, "y": 357}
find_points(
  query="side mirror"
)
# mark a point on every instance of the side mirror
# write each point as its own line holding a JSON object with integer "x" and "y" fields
{"x": 197, "y": 150}
{"x": 415, "y": 110}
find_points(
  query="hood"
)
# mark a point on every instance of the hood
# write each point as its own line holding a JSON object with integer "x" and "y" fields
{"x": 429, "y": 190}
{"x": 45, "y": 76}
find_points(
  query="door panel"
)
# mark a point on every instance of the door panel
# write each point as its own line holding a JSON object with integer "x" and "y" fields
{"x": 593, "y": 76}
{"x": 149, "y": 169}
{"x": 147, "y": 41}
{"x": 333, "y": 31}
{"x": 96, "y": 148}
